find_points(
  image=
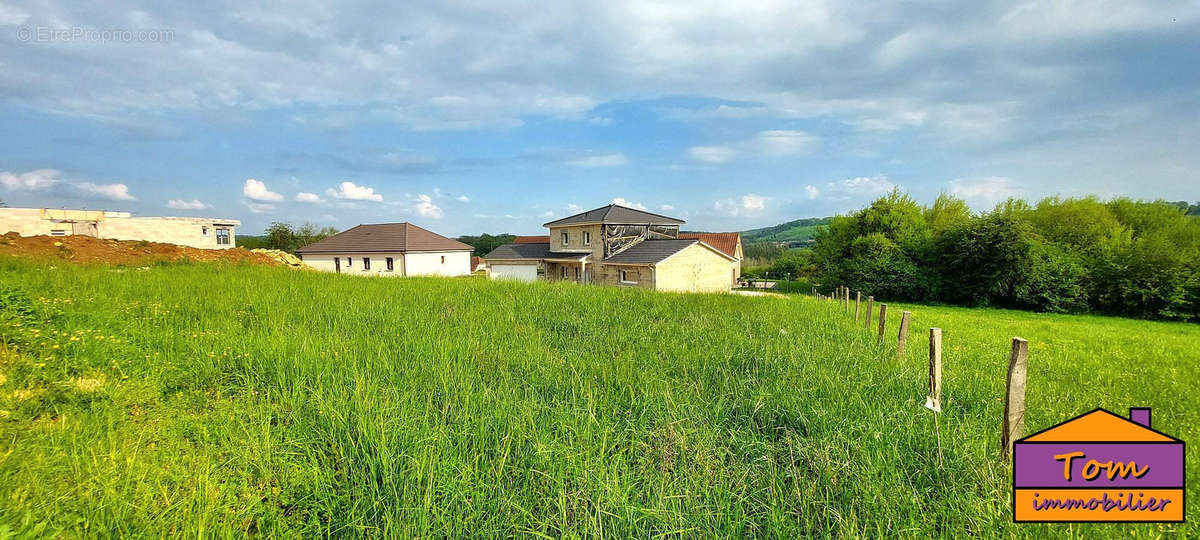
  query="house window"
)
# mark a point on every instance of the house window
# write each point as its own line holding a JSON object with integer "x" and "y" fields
{"x": 349, "y": 262}
{"x": 222, "y": 237}
{"x": 366, "y": 263}
{"x": 587, "y": 238}
{"x": 204, "y": 231}
{"x": 443, "y": 259}
{"x": 58, "y": 232}
{"x": 566, "y": 239}
{"x": 390, "y": 264}
{"x": 563, "y": 270}
{"x": 625, "y": 278}
{"x": 576, "y": 273}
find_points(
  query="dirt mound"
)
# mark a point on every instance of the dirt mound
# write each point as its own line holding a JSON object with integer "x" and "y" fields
{"x": 87, "y": 249}
{"x": 280, "y": 256}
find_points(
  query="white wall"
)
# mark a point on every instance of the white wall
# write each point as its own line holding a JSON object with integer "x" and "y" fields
{"x": 694, "y": 269}
{"x": 194, "y": 232}
{"x": 437, "y": 263}
{"x": 324, "y": 262}
{"x": 426, "y": 263}
{"x": 519, "y": 272}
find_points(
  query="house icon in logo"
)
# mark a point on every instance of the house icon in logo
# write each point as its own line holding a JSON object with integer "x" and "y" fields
{"x": 1099, "y": 467}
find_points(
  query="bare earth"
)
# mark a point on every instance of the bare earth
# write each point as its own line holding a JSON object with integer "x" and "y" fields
{"x": 87, "y": 249}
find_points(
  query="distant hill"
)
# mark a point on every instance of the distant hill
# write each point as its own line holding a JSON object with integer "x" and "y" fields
{"x": 800, "y": 231}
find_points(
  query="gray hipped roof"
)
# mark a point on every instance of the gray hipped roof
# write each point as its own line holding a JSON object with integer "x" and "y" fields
{"x": 512, "y": 252}
{"x": 618, "y": 215}
{"x": 650, "y": 251}
{"x": 385, "y": 237}
{"x": 519, "y": 251}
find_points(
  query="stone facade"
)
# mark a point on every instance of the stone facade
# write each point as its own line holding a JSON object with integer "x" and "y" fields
{"x": 635, "y": 276}
{"x": 580, "y": 239}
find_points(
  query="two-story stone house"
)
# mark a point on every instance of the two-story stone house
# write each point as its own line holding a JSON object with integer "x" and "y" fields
{"x": 616, "y": 245}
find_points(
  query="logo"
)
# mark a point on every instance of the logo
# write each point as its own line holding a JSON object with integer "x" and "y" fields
{"x": 1099, "y": 467}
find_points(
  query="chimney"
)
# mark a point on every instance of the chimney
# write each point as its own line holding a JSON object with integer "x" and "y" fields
{"x": 1140, "y": 415}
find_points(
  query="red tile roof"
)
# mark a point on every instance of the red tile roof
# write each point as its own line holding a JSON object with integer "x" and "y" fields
{"x": 727, "y": 242}
{"x": 532, "y": 239}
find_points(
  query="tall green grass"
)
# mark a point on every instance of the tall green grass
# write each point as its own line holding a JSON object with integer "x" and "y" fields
{"x": 215, "y": 399}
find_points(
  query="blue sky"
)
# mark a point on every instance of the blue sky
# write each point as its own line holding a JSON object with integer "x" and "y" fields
{"x": 469, "y": 117}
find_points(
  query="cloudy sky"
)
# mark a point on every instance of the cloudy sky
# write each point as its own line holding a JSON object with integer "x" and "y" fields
{"x": 495, "y": 116}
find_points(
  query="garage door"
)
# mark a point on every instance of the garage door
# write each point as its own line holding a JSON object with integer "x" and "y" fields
{"x": 520, "y": 272}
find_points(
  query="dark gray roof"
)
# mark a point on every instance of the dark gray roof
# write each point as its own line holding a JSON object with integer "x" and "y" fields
{"x": 617, "y": 214}
{"x": 536, "y": 251}
{"x": 649, "y": 251}
{"x": 384, "y": 237}
{"x": 519, "y": 251}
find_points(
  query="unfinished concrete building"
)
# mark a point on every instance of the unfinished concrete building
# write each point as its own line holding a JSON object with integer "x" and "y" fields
{"x": 206, "y": 233}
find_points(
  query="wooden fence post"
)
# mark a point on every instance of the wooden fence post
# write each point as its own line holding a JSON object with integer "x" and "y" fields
{"x": 902, "y": 339}
{"x": 1014, "y": 396}
{"x": 857, "y": 301}
{"x": 870, "y": 306}
{"x": 934, "y": 401}
{"x": 846, "y": 298}
{"x": 882, "y": 320}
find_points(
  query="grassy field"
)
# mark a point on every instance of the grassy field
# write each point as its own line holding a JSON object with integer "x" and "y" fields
{"x": 222, "y": 399}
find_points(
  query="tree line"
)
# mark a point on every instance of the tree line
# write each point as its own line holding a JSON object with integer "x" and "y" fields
{"x": 1121, "y": 256}
{"x": 286, "y": 237}
{"x": 485, "y": 243}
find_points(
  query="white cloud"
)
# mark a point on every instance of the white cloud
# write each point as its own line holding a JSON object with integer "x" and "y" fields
{"x": 811, "y": 191}
{"x": 666, "y": 207}
{"x": 112, "y": 192}
{"x": 774, "y": 142}
{"x": 780, "y": 142}
{"x": 426, "y": 208}
{"x": 351, "y": 192}
{"x": 306, "y": 197}
{"x": 463, "y": 198}
{"x": 181, "y": 204}
{"x": 30, "y": 181}
{"x": 863, "y": 185}
{"x": 548, "y": 214}
{"x": 750, "y": 204}
{"x": 985, "y": 192}
{"x": 601, "y": 160}
{"x": 257, "y": 191}
{"x": 620, "y": 201}
{"x": 40, "y": 179}
{"x": 258, "y": 208}
{"x": 574, "y": 208}
{"x": 711, "y": 154}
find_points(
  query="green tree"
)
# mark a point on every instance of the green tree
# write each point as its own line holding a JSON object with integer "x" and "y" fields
{"x": 947, "y": 212}
{"x": 485, "y": 243}
{"x": 280, "y": 235}
{"x": 882, "y": 248}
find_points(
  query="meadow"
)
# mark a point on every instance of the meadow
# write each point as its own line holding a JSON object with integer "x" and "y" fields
{"x": 221, "y": 399}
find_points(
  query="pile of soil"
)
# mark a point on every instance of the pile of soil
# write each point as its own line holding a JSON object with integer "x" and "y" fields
{"x": 87, "y": 249}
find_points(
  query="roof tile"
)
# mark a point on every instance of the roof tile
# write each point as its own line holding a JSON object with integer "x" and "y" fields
{"x": 617, "y": 214}
{"x": 726, "y": 242}
{"x": 385, "y": 237}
